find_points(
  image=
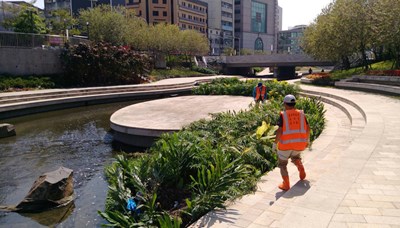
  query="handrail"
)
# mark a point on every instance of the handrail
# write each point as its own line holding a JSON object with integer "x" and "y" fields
{"x": 31, "y": 40}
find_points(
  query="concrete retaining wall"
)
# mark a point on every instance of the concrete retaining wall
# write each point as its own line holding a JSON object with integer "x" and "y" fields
{"x": 24, "y": 61}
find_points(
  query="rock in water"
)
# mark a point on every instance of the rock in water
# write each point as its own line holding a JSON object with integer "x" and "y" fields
{"x": 51, "y": 190}
{"x": 7, "y": 130}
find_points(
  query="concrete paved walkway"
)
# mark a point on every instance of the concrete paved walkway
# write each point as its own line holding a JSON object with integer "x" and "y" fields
{"x": 353, "y": 173}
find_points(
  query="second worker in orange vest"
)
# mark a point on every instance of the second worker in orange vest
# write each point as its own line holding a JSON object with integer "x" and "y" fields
{"x": 291, "y": 139}
{"x": 260, "y": 93}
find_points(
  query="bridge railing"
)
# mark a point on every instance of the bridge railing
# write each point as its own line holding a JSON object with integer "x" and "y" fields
{"x": 30, "y": 40}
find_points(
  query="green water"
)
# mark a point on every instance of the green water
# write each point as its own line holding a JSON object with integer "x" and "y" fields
{"x": 78, "y": 139}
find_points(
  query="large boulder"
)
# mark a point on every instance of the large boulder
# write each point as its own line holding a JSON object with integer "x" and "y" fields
{"x": 7, "y": 130}
{"x": 51, "y": 190}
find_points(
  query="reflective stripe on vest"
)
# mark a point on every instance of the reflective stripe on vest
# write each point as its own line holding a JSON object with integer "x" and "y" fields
{"x": 293, "y": 137}
{"x": 286, "y": 121}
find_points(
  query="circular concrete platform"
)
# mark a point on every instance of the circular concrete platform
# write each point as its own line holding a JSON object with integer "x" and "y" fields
{"x": 140, "y": 124}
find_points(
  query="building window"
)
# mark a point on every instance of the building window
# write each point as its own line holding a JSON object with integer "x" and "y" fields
{"x": 258, "y": 17}
{"x": 258, "y": 45}
{"x": 155, "y": 1}
{"x": 164, "y": 1}
{"x": 164, "y": 13}
{"x": 155, "y": 13}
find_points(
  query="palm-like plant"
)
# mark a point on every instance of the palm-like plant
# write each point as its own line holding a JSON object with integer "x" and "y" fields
{"x": 214, "y": 184}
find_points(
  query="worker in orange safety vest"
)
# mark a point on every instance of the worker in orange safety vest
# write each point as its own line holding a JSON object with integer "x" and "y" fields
{"x": 260, "y": 93}
{"x": 291, "y": 139}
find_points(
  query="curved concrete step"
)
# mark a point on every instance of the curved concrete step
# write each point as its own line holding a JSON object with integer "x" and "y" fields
{"x": 339, "y": 98}
{"x": 353, "y": 112}
{"x": 53, "y": 102}
{"x": 378, "y": 84}
{"x": 49, "y": 94}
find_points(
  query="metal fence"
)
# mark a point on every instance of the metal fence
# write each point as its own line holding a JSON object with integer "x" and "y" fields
{"x": 28, "y": 40}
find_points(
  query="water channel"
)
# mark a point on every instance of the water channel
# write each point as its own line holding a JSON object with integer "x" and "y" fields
{"x": 78, "y": 139}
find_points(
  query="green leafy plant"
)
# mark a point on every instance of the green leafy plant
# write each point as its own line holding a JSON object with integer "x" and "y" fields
{"x": 11, "y": 83}
{"x": 234, "y": 86}
{"x": 213, "y": 183}
{"x": 203, "y": 70}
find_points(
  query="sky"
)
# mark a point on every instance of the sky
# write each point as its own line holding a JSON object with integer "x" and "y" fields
{"x": 300, "y": 12}
{"x": 295, "y": 12}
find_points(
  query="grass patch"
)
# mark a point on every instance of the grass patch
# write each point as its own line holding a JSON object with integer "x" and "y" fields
{"x": 159, "y": 74}
{"x": 384, "y": 65}
{"x": 341, "y": 74}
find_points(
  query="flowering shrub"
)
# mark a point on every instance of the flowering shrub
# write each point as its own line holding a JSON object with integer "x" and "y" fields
{"x": 318, "y": 75}
{"x": 103, "y": 65}
{"x": 384, "y": 72}
{"x": 322, "y": 78}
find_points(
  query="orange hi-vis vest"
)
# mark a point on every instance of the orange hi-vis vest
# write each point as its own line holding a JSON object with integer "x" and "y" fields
{"x": 260, "y": 92}
{"x": 294, "y": 132}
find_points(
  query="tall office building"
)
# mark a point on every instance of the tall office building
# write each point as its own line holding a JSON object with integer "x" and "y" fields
{"x": 280, "y": 18}
{"x": 256, "y": 25}
{"x": 289, "y": 41}
{"x": 220, "y": 25}
{"x": 187, "y": 14}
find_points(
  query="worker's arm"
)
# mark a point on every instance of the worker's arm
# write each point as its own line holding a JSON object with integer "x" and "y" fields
{"x": 278, "y": 134}
{"x": 254, "y": 93}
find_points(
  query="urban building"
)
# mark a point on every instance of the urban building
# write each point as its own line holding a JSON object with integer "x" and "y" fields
{"x": 280, "y": 18}
{"x": 289, "y": 41}
{"x": 256, "y": 25}
{"x": 75, "y": 5}
{"x": 5, "y": 13}
{"x": 220, "y": 25}
{"x": 187, "y": 14}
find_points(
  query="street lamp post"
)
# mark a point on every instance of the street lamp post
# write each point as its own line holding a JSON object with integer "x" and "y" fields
{"x": 87, "y": 27}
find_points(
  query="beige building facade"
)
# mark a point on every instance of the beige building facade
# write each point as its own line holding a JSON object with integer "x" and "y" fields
{"x": 220, "y": 25}
{"x": 187, "y": 14}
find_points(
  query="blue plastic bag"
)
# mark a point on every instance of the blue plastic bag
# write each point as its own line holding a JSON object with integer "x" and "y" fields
{"x": 131, "y": 205}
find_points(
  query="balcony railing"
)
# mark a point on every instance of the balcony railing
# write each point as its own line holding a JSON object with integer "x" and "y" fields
{"x": 227, "y": 27}
{"x": 192, "y": 21}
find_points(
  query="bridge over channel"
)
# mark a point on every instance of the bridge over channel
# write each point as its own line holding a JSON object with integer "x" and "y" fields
{"x": 284, "y": 64}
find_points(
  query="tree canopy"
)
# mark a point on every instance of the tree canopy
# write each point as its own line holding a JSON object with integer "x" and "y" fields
{"x": 346, "y": 29}
{"x": 120, "y": 27}
{"x": 26, "y": 20}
